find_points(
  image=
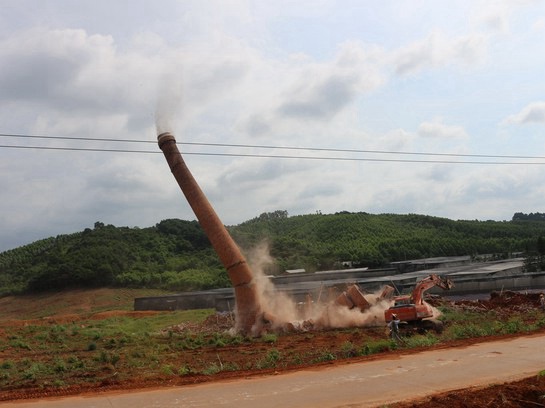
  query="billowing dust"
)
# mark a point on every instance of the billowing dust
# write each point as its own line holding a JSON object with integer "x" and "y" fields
{"x": 327, "y": 311}
{"x": 436, "y": 312}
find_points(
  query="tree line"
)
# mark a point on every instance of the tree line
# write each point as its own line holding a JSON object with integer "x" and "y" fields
{"x": 529, "y": 217}
{"x": 176, "y": 254}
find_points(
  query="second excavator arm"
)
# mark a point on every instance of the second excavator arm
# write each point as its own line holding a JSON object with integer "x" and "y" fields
{"x": 427, "y": 283}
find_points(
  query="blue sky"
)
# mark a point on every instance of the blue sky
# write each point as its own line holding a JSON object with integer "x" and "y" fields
{"x": 460, "y": 80}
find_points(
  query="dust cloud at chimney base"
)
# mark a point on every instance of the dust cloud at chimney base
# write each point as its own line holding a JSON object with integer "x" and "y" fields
{"x": 282, "y": 313}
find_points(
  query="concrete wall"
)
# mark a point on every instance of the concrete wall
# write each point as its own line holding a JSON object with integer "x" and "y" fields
{"x": 499, "y": 283}
{"x": 188, "y": 300}
{"x": 481, "y": 279}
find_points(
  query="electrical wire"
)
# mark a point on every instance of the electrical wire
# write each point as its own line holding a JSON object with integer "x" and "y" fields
{"x": 277, "y": 147}
{"x": 78, "y": 149}
{"x": 255, "y": 155}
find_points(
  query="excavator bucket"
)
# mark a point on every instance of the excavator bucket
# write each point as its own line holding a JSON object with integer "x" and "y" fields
{"x": 446, "y": 283}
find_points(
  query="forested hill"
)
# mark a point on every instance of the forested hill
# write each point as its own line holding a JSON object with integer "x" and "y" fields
{"x": 176, "y": 254}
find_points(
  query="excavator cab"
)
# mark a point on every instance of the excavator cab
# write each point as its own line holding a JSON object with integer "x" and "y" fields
{"x": 403, "y": 301}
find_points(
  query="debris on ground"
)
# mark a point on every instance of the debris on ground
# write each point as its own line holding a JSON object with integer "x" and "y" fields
{"x": 215, "y": 323}
{"x": 502, "y": 302}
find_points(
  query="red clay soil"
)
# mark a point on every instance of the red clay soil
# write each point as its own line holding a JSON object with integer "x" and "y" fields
{"x": 529, "y": 392}
{"x": 525, "y": 393}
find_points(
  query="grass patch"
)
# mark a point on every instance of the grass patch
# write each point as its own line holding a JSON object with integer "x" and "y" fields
{"x": 323, "y": 356}
{"x": 513, "y": 325}
{"x": 212, "y": 369}
{"x": 269, "y": 338}
{"x": 153, "y": 324}
{"x": 270, "y": 360}
{"x": 378, "y": 346}
{"x": 99, "y": 347}
{"x": 348, "y": 349}
{"x": 426, "y": 340}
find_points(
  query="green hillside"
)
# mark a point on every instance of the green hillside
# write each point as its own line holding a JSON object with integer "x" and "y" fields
{"x": 176, "y": 254}
{"x": 115, "y": 256}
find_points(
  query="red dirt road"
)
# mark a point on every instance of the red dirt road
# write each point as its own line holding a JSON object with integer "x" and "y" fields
{"x": 365, "y": 384}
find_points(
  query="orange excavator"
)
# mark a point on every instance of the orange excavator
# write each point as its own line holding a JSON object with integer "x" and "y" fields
{"x": 413, "y": 311}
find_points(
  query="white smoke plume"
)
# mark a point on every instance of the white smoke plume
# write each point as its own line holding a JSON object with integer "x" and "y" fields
{"x": 169, "y": 101}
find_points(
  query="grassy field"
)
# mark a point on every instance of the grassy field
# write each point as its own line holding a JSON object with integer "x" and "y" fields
{"x": 80, "y": 341}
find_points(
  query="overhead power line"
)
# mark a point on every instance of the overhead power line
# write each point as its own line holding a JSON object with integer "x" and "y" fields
{"x": 272, "y": 147}
{"x": 293, "y": 148}
{"x": 272, "y": 156}
{"x": 77, "y": 149}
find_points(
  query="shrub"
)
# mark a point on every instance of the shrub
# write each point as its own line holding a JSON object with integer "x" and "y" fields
{"x": 378, "y": 346}
{"x": 17, "y": 343}
{"x": 167, "y": 370}
{"x": 325, "y": 356}
{"x": 34, "y": 371}
{"x": 212, "y": 369}
{"x": 6, "y": 365}
{"x": 59, "y": 365}
{"x": 513, "y": 325}
{"x": 348, "y": 349}
{"x": 269, "y": 338}
{"x": 270, "y": 360}
{"x": 184, "y": 370}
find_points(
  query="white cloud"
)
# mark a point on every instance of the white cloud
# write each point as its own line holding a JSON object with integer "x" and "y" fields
{"x": 440, "y": 130}
{"x": 439, "y": 50}
{"x": 319, "y": 91}
{"x": 494, "y": 17}
{"x": 532, "y": 113}
{"x": 69, "y": 71}
{"x": 539, "y": 24}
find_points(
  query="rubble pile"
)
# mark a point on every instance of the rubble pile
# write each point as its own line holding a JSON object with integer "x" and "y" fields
{"x": 215, "y": 323}
{"x": 506, "y": 301}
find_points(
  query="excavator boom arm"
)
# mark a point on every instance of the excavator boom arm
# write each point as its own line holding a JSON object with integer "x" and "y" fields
{"x": 427, "y": 283}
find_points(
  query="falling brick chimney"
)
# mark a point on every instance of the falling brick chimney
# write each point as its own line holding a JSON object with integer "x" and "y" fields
{"x": 248, "y": 309}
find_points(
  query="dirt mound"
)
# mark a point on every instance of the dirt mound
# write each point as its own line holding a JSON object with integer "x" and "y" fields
{"x": 503, "y": 303}
{"x": 514, "y": 300}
